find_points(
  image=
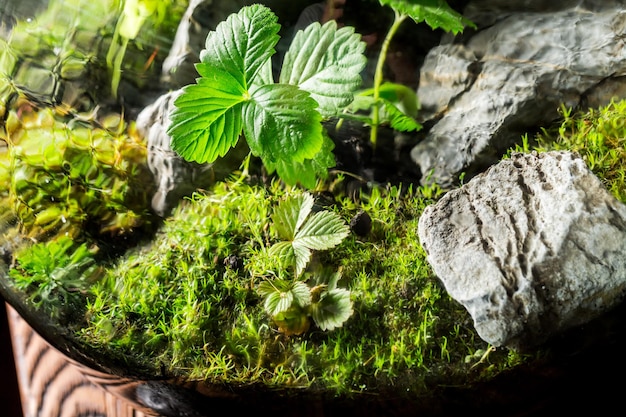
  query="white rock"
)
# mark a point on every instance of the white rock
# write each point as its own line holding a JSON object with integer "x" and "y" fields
{"x": 531, "y": 247}
{"x": 481, "y": 93}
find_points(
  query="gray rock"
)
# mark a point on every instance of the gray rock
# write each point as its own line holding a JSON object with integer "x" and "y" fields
{"x": 481, "y": 93}
{"x": 533, "y": 246}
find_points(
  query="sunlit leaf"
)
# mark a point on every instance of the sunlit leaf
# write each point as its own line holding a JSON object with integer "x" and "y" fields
{"x": 282, "y": 122}
{"x": 304, "y": 232}
{"x": 281, "y": 295}
{"x": 290, "y": 213}
{"x": 207, "y": 119}
{"x": 323, "y": 230}
{"x": 243, "y": 43}
{"x": 327, "y": 62}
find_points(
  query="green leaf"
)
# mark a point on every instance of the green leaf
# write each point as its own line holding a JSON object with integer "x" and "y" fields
{"x": 307, "y": 172}
{"x": 277, "y": 302}
{"x": 323, "y": 230}
{"x": 436, "y": 13}
{"x": 327, "y": 62}
{"x": 395, "y": 104}
{"x": 290, "y": 213}
{"x": 400, "y": 95}
{"x": 301, "y": 294}
{"x": 207, "y": 119}
{"x": 281, "y": 122}
{"x": 285, "y": 252}
{"x": 281, "y": 295}
{"x": 243, "y": 43}
{"x": 333, "y": 309}
{"x": 304, "y": 233}
{"x": 397, "y": 119}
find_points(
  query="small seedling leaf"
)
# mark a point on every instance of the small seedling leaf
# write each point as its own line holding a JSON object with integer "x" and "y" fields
{"x": 323, "y": 230}
{"x": 290, "y": 213}
{"x": 304, "y": 233}
{"x": 281, "y": 295}
{"x": 285, "y": 252}
{"x": 397, "y": 119}
{"x": 301, "y": 294}
{"x": 333, "y": 309}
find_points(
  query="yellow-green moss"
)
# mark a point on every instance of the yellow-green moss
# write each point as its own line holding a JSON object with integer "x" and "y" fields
{"x": 598, "y": 135}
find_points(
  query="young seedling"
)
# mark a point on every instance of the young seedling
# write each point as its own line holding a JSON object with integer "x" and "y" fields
{"x": 292, "y": 301}
{"x": 281, "y": 122}
{"x": 392, "y": 103}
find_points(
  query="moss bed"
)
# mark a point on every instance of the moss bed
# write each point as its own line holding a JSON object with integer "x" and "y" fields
{"x": 181, "y": 301}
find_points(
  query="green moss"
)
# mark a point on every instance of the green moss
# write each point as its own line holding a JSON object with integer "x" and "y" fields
{"x": 598, "y": 135}
{"x": 177, "y": 300}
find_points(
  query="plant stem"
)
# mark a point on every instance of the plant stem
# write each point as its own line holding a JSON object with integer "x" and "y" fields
{"x": 378, "y": 75}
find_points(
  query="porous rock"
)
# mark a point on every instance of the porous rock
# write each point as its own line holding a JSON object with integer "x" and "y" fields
{"x": 531, "y": 247}
{"x": 481, "y": 91}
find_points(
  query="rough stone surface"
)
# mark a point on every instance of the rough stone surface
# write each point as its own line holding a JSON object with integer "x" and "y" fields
{"x": 481, "y": 91}
{"x": 533, "y": 246}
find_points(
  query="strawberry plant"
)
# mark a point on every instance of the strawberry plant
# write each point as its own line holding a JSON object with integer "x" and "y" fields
{"x": 291, "y": 301}
{"x": 281, "y": 121}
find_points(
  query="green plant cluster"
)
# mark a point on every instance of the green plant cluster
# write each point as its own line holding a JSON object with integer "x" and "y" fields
{"x": 598, "y": 135}
{"x": 281, "y": 121}
{"x": 56, "y": 275}
{"x": 292, "y": 296}
{"x": 191, "y": 299}
{"x": 65, "y": 177}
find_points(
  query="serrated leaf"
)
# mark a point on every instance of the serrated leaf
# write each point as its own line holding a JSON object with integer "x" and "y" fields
{"x": 321, "y": 231}
{"x": 397, "y": 119}
{"x": 436, "y": 13}
{"x": 277, "y": 295}
{"x": 290, "y": 213}
{"x": 284, "y": 251}
{"x": 303, "y": 232}
{"x": 301, "y": 294}
{"x": 327, "y": 62}
{"x": 282, "y": 122}
{"x": 207, "y": 121}
{"x": 307, "y": 172}
{"x": 303, "y": 256}
{"x": 277, "y": 302}
{"x": 333, "y": 309}
{"x": 243, "y": 43}
{"x": 325, "y": 277}
{"x": 281, "y": 295}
